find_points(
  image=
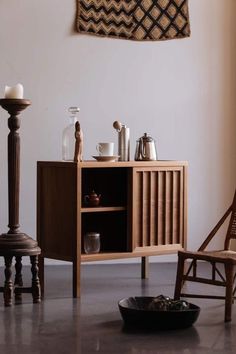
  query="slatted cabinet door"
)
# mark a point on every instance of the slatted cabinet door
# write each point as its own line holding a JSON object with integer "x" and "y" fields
{"x": 159, "y": 209}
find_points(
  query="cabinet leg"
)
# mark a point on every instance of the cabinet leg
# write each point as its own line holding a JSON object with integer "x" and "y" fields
{"x": 41, "y": 273}
{"x": 76, "y": 279}
{"x": 144, "y": 267}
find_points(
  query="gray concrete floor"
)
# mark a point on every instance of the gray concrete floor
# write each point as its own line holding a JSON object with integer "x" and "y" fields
{"x": 61, "y": 324}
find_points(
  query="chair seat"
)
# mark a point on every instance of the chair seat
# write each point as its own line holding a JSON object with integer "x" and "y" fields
{"x": 217, "y": 255}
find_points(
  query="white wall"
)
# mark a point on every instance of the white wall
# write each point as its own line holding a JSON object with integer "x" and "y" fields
{"x": 182, "y": 92}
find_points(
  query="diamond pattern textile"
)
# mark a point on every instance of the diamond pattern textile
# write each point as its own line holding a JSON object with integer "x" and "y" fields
{"x": 141, "y": 20}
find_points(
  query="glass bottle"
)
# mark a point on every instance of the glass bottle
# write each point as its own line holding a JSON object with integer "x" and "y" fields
{"x": 68, "y": 135}
{"x": 92, "y": 242}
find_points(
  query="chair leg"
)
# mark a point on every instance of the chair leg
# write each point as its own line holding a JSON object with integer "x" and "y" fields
{"x": 179, "y": 277}
{"x": 18, "y": 279}
{"x": 8, "y": 286}
{"x": 229, "y": 273}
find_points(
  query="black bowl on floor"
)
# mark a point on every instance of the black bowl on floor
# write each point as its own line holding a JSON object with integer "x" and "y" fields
{"x": 136, "y": 313}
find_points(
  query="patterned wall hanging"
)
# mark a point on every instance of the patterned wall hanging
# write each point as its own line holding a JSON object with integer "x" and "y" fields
{"x": 141, "y": 20}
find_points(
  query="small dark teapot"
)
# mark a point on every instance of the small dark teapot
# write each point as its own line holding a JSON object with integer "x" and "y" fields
{"x": 92, "y": 199}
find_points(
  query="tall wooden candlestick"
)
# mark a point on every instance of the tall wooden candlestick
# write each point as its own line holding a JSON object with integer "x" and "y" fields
{"x": 14, "y": 243}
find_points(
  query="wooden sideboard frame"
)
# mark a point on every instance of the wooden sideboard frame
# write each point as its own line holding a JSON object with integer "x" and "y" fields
{"x": 148, "y": 211}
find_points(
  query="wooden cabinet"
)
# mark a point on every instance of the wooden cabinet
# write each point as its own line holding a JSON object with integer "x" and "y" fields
{"x": 143, "y": 210}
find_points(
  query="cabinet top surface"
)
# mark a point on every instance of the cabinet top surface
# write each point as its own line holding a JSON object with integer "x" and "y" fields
{"x": 96, "y": 164}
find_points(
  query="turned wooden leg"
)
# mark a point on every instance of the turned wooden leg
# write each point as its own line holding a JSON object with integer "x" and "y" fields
{"x": 229, "y": 272}
{"x": 179, "y": 277}
{"x": 8, "y": 285}
{"x": 36, "y": 290}
{"x": 18, "y": 279}
{"x": 144, "y": 267}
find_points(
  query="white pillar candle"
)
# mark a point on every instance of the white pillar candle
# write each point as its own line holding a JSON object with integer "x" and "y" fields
{"x": 16, "y": 91}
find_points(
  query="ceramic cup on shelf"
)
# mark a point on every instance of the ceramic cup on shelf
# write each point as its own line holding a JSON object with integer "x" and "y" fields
{"x": 105, "y": 149}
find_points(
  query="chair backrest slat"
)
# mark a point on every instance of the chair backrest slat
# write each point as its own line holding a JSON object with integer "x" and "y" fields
{"x": 231, "y": 232}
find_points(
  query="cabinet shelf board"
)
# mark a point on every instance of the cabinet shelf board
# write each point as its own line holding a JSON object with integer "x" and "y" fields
{"x": 102, "y": 209}
{"x": 104, "y": 256}
{"x": 119, "y": 255}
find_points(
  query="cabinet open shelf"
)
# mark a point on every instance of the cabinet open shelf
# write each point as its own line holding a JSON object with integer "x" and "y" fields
{"x": 110, "y": 185}
{"x": 112, "y": 227}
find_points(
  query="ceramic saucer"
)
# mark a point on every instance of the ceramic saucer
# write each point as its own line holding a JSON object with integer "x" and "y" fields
{"x": 106, "y": 158}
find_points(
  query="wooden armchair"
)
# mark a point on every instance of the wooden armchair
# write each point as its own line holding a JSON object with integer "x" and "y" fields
{"x": 220, "y": 275}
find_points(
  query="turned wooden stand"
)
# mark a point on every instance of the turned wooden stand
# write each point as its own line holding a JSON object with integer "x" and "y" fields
{"x": 14, "y": 243}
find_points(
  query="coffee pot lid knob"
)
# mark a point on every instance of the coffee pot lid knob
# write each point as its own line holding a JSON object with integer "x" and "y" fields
{"x": 146, "y": 137}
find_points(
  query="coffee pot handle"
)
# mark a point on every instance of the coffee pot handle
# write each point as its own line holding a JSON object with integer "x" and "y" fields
{"x": 142, "y": 148}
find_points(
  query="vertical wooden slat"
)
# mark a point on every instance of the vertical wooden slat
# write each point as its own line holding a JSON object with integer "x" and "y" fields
{"x": 181, "y": 201}
{"x": 149, "y": 196}
{"x": 143, "y": 211}
{"x": 153, "y": 220}
{"x": 148, "y": 203}
{"x": 134, "y": 197}
{"x": 168, "y": 207}
{"x": 150, "y": 209}
{"x": 160, "y": 207}
{"x": 137, "y": 209}
{"x": 179, "y": 194}
{"x": 176, "y": 197}
{"x": 146, "y": 208}
{"x": 184, "y": 191}
{"x": 140, "y": 219}
{"x": 165, "y": 207}
{"x": 157, "y": 207}
{"x": 172, "y": 206}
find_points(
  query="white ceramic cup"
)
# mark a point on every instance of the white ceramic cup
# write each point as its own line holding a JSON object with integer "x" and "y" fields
{"x": 105, "y": 149}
